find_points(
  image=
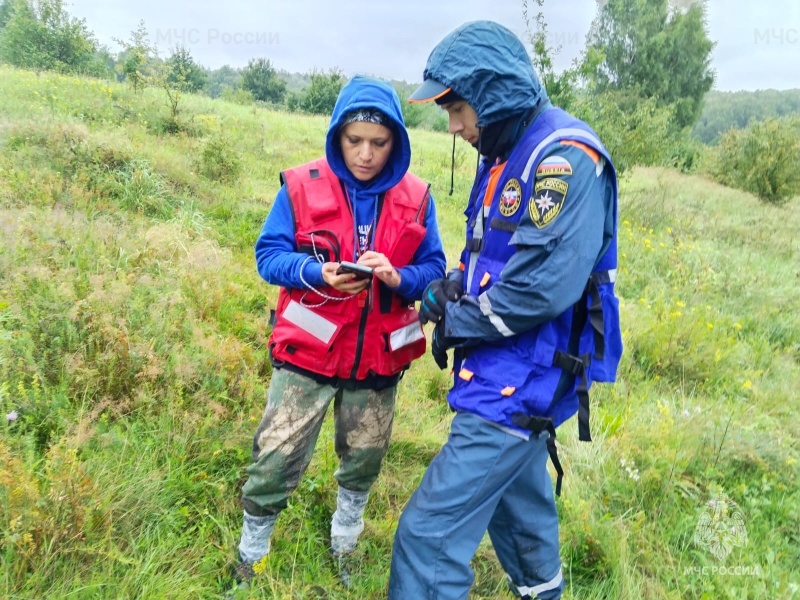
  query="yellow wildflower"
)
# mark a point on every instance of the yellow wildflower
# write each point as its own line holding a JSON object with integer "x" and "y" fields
{"x": 261, "y": 565}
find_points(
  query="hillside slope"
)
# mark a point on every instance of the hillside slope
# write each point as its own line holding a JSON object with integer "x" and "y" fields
{"x": 133, "y": 368}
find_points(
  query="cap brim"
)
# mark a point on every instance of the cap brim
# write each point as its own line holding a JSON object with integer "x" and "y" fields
{"x": 429, "y": 90}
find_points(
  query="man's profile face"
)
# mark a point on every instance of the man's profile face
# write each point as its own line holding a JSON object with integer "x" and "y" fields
{"x": 463, "y": 120}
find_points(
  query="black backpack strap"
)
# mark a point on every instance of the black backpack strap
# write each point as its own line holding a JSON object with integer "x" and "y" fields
{"x": 596, "y": 318}
{"x": 575, "y": 366}
{"x": 578, "y": 366}
{"x": 588, "y": 309}
{"x": 537, "y": 425}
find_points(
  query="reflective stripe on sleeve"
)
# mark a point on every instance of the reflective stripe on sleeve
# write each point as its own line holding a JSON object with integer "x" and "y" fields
{"x": 477, "y": 234}
{"x": 405, "y": 335}
{"x": 486, "y": 308}
{"x": 309, "y": 321}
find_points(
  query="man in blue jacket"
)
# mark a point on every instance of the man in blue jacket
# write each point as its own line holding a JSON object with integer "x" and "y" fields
{"x": 530, "y": 311}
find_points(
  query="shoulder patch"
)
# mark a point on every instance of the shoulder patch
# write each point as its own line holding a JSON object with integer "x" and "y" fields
{"x": 547, "y": 200}
{"x": 553, "y": 165}
{"x": 511, "y": 198}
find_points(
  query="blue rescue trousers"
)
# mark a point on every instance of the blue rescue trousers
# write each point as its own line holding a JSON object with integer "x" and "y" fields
{"x": 483, "y": 479}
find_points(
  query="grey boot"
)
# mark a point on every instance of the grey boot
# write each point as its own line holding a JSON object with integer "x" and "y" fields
{"x": 254, "y": 543}
{"x": 346, "y": 525}
{"x": 348, "y": 520}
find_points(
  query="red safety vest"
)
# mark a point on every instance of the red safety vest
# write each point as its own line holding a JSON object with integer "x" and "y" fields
{"x": 374, "y": 333}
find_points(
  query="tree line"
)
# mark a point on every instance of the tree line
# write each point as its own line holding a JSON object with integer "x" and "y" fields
{"x": 643, "y": 81}
{"x": 723, "y": 111}
{"x": 42, "y": 35}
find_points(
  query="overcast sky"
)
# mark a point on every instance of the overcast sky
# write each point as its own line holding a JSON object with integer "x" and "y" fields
{"x": 758, "y": 42}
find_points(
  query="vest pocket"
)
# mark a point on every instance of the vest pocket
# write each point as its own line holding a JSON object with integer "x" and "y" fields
{"x": 500, "y": 368}
{"x": 403, "y": 341}
{"x": 405, "y": 244}
{"x": 319, "y": 244}
{"x": 302, "y": 332}
{"x": 498, "y": 382}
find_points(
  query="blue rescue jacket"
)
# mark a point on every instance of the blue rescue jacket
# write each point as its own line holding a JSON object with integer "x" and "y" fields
{"x": 542, "y": 374}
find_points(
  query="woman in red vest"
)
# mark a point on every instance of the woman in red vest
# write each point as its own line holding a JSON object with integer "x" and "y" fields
{"x": 341, "y": 333}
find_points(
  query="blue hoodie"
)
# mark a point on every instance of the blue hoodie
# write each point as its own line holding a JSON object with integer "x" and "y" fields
{"x": 277, "y": 258}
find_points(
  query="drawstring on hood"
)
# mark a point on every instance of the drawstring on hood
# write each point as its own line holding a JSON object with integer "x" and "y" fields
{"x": 452, "y": 166}
{"x": 448, "y": 98}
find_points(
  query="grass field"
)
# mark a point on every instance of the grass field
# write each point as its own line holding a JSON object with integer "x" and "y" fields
{"x": 133, "y": 369}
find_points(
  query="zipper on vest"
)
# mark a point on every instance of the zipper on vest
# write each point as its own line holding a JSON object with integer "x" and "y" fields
{"x": 363, "y": 302}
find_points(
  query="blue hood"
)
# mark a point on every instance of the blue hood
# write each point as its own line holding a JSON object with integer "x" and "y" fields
{"x": 364, "y": 92}
{"x": 487, "y": 65}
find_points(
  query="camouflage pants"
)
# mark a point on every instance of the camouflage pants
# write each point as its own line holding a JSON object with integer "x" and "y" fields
{"x": 284, "y": 442}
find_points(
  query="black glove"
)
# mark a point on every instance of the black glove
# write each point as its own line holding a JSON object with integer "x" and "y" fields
{"x": 439, "y": 345}
{"x": 435, "y": 297}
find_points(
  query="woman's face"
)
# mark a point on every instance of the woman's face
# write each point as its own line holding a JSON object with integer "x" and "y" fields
{"x": 366, "y": 148}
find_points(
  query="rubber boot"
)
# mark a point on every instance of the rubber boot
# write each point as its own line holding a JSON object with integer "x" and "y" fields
{"x": 346, "y": 525}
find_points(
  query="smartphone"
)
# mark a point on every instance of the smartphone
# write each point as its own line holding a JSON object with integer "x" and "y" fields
{"x": 360, "y": 271}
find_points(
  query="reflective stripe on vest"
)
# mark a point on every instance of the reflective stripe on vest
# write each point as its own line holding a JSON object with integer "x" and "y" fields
{"x": 405, "y": 335}
{"x": 309, "y": 321}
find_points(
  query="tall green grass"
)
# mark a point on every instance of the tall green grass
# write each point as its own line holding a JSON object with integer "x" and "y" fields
{"x": 133, "y": 331}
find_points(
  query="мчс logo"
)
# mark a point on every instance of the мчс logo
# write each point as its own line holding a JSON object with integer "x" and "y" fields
{"x": 720, "y": 527}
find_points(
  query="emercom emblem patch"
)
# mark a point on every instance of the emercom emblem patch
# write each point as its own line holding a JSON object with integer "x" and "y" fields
{"x": 547, "y": 200}
{"x": 511, "y": 198}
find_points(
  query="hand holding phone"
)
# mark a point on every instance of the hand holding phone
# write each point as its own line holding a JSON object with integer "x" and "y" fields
{"x": 360, "y": 271}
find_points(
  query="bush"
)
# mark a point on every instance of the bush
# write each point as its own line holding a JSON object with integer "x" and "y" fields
{"x": 635, "y": 131}
{"x": 237, "y": 96}
{"x": 261, "y": 80}
{"x": 686, "y": 154}
{"x": 43, "y": 36}
{"x": 219, "y": 161}
{"x": 761, "y": 159}
{"x": 321, "y": 95}
{"x": 423, "y": 116}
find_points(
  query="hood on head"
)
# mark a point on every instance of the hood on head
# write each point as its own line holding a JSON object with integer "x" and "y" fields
{"x": 365, "y": 92}
{"x": 487, "y": 65}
